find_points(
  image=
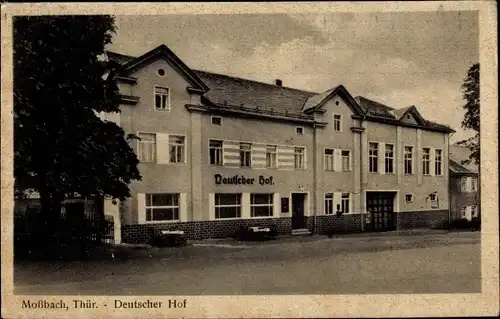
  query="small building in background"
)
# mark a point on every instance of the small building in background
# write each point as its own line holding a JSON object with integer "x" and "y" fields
{"x": 464, "y": 185}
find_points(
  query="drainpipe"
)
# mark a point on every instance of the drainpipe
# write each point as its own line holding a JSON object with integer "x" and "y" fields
{"x": 448, "y": 173}
{"x": 362, "y": 173}
{"x": 315, "y": 181}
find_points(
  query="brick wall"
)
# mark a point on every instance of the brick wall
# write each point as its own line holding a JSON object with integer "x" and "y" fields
{"x": 342, "y": 224}
{"x": 423, "y": 219}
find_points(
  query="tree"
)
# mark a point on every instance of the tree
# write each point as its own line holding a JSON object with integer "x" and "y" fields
{"x": 61, "y": 146}
{"x": 470, "y": 90}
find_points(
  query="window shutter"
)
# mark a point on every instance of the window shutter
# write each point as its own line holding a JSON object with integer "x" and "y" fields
{"x": 183, "y": 207}
{"x": 381, "y": 158}
{"x": 162, "y": 149}
{"x": 341, "y": 123}
{"x": 432, "y": 161}
{"x": 337, "y": 160}
{"x": 211, "y": 206}
{"x": 141, "y": 208}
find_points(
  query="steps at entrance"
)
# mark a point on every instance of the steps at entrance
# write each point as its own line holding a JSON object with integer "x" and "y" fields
{"x": 301, "y": 232}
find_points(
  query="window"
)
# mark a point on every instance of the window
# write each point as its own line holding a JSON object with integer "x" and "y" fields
{"x": 146, "y": 147}
{"x": 245, "y": 154}
{"x": 434, "y": 200}
{"x": 432, "y": 197}
{"x": 176, "y": 144}
{"x": 328, "y": 203}
{"x": 408, "y": 160}
{"x": 162, "y": 207}
{"x": 216, "y": 120}
{"x": 215, "y": 150}
{"x": 438, "y": 163}
{"x": 227, "y": 206}
{"x": 328, "y": 160}
{"x": 389, "y": 158}
{"x": 473, "y": 210}
{"x": 463, "y": 184}
{"x": 346, "y": 161}
{"x": 337, "y": 127}
{"x": 162, "y": 98}
{"x": 299, "y": 130}
{"x": 299, "y": 157}
{"x": 426, "y": 161}
{"x": 409, "y": 198}
{"x": 161, "y": 72}
{"x": 463, "y": 212}
{"x": 373, "y": 157}
{"x": 271, "y": 156}
{"x": 473, "y": 185}
{"x": 345, "y": 203}
{"x": 261, "y": 205}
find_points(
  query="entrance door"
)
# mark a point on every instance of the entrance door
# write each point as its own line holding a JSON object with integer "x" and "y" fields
{"x": 298, "y": 219}
{"x": 380, "y": 205}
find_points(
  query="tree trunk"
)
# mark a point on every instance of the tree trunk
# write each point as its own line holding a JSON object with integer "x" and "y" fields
{"x": 49, "y": 227}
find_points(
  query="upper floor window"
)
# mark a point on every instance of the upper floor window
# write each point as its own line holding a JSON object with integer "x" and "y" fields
{"x": 299, "y": 157}
{"x": 245, "y": 154}
{"x": 216, "y": 120}
{"x": 328, "y": 159}
{"x": 463, "y": 184}
{"x": 177, "y": 148}
{"x": 271, "y": 156}
{"x": 473, "y": 182}
{"x": 389, "y": 158}
{"x": 426, "y": 161}
{"x": 463, "y": 212}
{"x": 346, "y": 160}
{"x": 162, "y": 98}
{"x": 299, "y": 130}
{"x": 337, "y": 122}
{"x": 438, "y": 164}
{"x": 162, "y": 207}
{"x": 373, "y": 157}
{"x": 473, "y": 211}
{"x": 261, "y": 205}
{"x": 146, "y": 147}
{"x": 408, "y": 160}
{"x": 215, "y": 152}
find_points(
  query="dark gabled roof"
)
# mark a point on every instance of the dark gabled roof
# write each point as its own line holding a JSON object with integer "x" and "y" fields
{"x": 234, "y": 91}
{"x": 374, "y": 108}
{"x": 120, "y": 58}
{"x": 317, "y": 101}
{"x": 459, "y": 153}
{"x": 457, "y": 168}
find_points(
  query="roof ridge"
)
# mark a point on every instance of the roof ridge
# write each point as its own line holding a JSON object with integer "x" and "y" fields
{"x": 254, "y": 81}
{"x": 373, "y": 101}
{"x": 120, "y": 54}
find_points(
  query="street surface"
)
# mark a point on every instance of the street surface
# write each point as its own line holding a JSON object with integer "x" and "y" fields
{"x": 434, "y": 263}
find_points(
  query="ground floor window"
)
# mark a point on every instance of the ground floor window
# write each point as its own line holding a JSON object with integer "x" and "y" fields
{"x": 227, "y": 206}
{"x": 345, "y": 203}
{"x": 162, "y": 207}
{"x": 328, "y": 203}
{"x": 261, "y": 205}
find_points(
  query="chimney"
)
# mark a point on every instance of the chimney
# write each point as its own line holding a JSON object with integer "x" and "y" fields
{"x": 279, "y": 82}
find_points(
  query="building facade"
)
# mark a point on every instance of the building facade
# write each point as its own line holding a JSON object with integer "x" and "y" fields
{"x": 218, "y": 152}
{"x": 464, "y": 185}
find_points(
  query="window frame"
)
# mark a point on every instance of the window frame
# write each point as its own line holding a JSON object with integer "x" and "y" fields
{"x": 154, "y": 157}
{"x": 473, "y": 184}
{"x": 152, "y": 208}
{"x": 345, "y": 202}
{"x": 162, "y": 95}
{"x": 328, "y": 200}
{"x": 330, "y": 158}
{"x": 245, "y": 154}
{"x": 411, "y": 198}
{"x": 388, "y": 159}
{"x": 373, "y": 157}
{"x": 176, "y": 146}
{"x": 215, "y": 117}
{"x": 217, "y": 150}
{"x": 426, "y": 161}
{"x": 342, "y": 158}
{"x": 463, "y": 182}
{"x": 301, "y": 155}
{"x": 299, "y": 128}
{"x": 408, "y": 160}
{"x": 271, "y": 156}
{"x": 438, "y": 160}
{"x": 238, "y": 205}
{"x": 269, "y": 204}
{"x": 337, "y": 122}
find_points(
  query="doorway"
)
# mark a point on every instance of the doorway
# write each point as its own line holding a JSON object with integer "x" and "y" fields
{"x": 380, "y": 206}
{"x": 298, "y": 207}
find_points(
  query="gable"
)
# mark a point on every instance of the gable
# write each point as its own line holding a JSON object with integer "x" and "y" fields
{"x": 409, "y": 119}
{"x": 317, "y": 102}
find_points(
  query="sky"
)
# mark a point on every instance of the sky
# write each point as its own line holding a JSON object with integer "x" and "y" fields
{"x": 396, "y": 58}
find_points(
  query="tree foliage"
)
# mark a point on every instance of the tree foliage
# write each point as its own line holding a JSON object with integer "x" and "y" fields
{"x": 61, "y": 146}
{"x": 470, "y": 90}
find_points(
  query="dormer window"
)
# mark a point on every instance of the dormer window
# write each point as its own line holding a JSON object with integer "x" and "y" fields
{"x": 217, "y": 120}
{"x": 299, "y": 130}
{"x": 162, "y": 98}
